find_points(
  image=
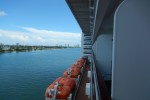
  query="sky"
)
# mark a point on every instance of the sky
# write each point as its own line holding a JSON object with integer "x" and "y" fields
{"x": 38, "y": 22}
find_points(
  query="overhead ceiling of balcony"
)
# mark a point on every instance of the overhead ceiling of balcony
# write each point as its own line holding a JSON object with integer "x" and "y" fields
{"x": 81, "y": 12}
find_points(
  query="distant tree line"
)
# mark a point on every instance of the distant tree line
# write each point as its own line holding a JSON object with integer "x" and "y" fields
{"x": 18, "y": 47}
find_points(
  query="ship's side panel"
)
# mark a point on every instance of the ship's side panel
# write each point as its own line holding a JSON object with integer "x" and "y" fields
{"x": 102, "y": 50}
{"x": 102, "y": 47}
{"x": 131, "y": 51}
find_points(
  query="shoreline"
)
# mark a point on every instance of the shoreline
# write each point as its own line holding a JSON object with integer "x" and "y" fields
{"x": 14, "y": 48}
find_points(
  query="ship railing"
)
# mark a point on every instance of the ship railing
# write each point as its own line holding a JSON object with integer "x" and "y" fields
{"x": 99, "y": 90}
{"x": 95, "y": 92}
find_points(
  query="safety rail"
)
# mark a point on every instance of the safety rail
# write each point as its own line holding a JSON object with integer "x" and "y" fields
{"x": 95, "y": 92}
{"x": 99, "y": 90}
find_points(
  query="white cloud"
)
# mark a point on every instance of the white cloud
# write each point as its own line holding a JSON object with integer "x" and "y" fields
{"x": 53, "y": 34}
{"x": 2, "y": 13}
{"x": 35, "y": 36}
{"x": 13, "y": 35}
{"x": 40, "y": 39}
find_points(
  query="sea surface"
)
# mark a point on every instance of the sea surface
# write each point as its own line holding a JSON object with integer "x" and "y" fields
{"x": 26, "y": 75}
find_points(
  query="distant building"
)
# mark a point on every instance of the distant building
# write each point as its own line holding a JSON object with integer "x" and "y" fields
{"x": 17, "y": 44}
{"x": 4, "y": 47}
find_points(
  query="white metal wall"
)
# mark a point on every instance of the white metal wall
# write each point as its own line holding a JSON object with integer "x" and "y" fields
{"x": 131, "y": 51}
{"x": 102, "y": 49}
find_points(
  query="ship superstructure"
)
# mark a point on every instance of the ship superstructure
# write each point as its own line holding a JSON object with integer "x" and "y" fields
{"x": 116, "y": 52}
{"x": 115, "y": 37}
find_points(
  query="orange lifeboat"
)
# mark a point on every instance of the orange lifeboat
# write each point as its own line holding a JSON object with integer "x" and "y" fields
{"x": 76, "y": 66}
{"x": 79, "y": 64}
{"x": 64, "y": 87}
{"x": 73, "y": 72}
{"x": 82, "y": 60}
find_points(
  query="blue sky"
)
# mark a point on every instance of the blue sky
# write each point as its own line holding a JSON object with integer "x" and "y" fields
{"x": 38, "y": 22}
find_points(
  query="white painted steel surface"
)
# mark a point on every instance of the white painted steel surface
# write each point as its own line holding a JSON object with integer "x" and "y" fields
{"x": 131, "y": 51}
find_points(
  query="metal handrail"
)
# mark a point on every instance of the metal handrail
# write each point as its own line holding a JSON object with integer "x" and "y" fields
{"x": 94, "y": 81}
{"x": 100, "y": 88}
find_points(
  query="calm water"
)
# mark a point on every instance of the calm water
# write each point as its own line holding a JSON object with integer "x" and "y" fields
{"x": 26, "y": 75}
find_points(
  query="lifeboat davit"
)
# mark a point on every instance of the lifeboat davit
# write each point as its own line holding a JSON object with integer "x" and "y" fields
{"x": 60, "y": 88}
{"x": 73, "y": 72}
